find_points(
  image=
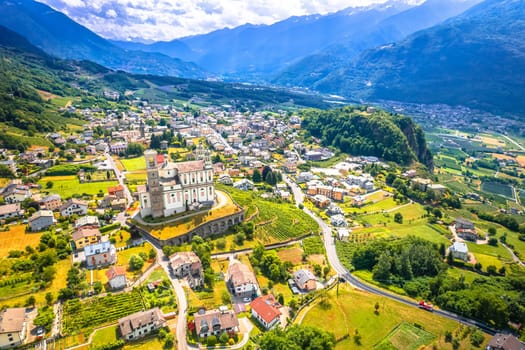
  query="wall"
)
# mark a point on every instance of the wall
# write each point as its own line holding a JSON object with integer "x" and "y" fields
{"x": 204, "y": 230}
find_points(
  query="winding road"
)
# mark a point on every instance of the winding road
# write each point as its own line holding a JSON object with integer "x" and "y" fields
{"x": 343, "y": 273}
{"x": 182, "y": 303}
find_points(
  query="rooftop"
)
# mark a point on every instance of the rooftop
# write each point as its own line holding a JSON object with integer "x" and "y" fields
{"x": 12, "y": 320}
{"x": 267, "y": 307}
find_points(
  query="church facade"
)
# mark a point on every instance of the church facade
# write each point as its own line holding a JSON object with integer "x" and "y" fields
{"x": 176, "y": 187}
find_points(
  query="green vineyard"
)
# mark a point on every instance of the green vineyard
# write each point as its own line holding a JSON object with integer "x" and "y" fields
{"x": 86, "y": 315}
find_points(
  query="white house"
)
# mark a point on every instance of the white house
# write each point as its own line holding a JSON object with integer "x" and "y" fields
{"x": 338, "y": 220}
{"x": 73, "y": 206}
{"x": 100, "y": 254}
{"x": 244, "y": 185}
{"x": 459, "y": 250}
{"x": 116, "y": 277}
{"x": 10, "y": 211}
{"x": 343, "y": 234}
{"x": 241, "y": 281}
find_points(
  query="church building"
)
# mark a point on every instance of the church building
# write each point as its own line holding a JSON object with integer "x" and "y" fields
{"x": 176, "y": 187}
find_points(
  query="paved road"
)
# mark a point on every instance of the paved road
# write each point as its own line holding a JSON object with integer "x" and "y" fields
{"x": 514, "y": 257}
{"x": 514, "y": 142}
{"x": 121, "y": 217}
{"x": 182, "y": 303}
{"x": 355, "y": 282}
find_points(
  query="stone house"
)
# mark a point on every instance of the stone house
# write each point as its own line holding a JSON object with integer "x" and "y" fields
{"x": 141, "y": 323}
{"x": 41, "y": 220}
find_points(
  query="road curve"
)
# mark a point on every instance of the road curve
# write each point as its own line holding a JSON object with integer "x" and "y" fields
{"x": 343, "y": 273}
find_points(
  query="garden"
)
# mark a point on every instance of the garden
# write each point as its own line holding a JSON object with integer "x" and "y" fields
{"x": 84, "y": 316}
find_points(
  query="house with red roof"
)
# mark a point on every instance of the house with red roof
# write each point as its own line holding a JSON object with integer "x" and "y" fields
{"x": 266, "y": 310}
{"x": 116, "y": 277}
{"x": 117, "y": 191}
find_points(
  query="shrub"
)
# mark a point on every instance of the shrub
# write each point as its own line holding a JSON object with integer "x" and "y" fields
{"x": 110, "y": 227}
{"x": 476, "y": 337}
{"x": 224, "y": 338}
{"x": 211, "y": 340}
{"x": 135, "y": 263}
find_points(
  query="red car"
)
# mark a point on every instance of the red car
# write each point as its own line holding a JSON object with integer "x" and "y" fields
{"x": 426, "y": 306}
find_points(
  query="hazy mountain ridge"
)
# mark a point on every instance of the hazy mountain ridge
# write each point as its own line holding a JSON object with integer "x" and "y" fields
{"x": 261, "y": 50}
{"x": 312, "y": 70}
{"x": 476, "y": 59}
{"x": 58, "y": 35}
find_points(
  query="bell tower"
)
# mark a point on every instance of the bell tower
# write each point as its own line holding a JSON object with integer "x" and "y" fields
{"x": 154, "y": 188}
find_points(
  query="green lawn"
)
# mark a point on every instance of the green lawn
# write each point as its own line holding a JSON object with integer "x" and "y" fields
{"x": 67, "y": 186}
{"x": 457, "y": 273}
{"x": 405, "y": 336}
{"x": 105, "y": 336}
{"x": 380, "y": 205}
{"x": 134, "y": 164}
{"x": 163, "y": 296}
{"x": 421, "y": 229}
{"x": 353, "y": 310}
{"x": 489, "y": 255}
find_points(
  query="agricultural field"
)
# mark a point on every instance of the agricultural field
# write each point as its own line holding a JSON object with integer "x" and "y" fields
{"x": 273, "y": 223}
{"x": 16, "y": 238}
{"x": 293, "y": 254}
{"x": 67, "y": 186}
{"x": 137, "y": 176}
{"x": 350, "y": 310}
{"x": 313, "y": 245}
{"x": 14, "y": 290}
{"x": 84, "y": 316}
{"x": 497, "y": 188}
{"x": 447, "y": 162}
{"x": 134, "y": 164}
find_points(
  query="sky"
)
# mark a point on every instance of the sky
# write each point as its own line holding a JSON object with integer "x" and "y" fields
{"x": 162, "y": 20}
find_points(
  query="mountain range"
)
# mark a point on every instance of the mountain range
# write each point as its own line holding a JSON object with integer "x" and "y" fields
{"x": 476, "y": 59}
{"x": 30, "y": 77}
{"x": 58, "y": 35}
{"x": 259, "y": 52}
{"x": 463, "y": 52}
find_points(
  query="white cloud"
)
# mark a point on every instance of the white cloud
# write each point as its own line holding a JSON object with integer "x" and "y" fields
{"x": 111, "y": 13}
{"x": 167, "y": 20}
